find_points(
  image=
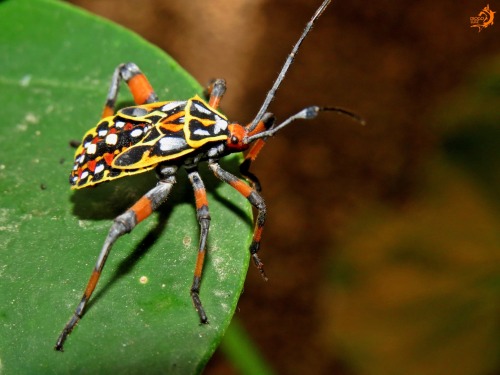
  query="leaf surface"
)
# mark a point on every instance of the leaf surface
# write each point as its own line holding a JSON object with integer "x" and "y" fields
{"x": 52, "y": 89}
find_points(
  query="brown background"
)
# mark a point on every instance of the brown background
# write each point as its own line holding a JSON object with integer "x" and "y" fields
{"x": 392, "y": 62}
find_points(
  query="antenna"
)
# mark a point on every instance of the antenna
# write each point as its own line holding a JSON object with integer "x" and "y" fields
{"x": 286, "y": 66}
{"x": 306, "y": 114}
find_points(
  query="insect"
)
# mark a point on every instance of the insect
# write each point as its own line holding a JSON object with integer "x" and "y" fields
{"x": 166, "y": 136}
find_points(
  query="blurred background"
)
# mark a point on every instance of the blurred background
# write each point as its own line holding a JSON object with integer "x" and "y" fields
{"x": 382, "y": 242}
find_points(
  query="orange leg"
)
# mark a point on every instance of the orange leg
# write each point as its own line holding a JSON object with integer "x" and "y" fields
{"x": 203, "y": 217}
{"x": 256, "y": 200}
{"x": 137, "y": 82}
{"x": 122, "y": 224}
{"x": 266, "y": 123}
{"x": 215, "y": 91}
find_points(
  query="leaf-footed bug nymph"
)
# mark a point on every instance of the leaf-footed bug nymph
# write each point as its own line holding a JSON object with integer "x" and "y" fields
{"x": 166, "y": 136}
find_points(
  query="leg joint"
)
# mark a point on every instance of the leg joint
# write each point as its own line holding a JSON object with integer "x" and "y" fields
{"x": 203, "y": 214}
{"x": 123, "y": 223}
{"x": 257, "y": 201}
{"x": 128, "y": 70}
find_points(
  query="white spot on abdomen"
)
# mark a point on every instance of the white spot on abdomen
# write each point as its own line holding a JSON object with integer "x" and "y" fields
{"x": 136, "y": 133}
{"x": 91, "y": 149}
{"x": 111, "y": 139}
{"x": 99, "y": 168}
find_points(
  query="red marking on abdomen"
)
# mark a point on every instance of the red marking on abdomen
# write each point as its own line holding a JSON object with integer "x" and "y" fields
{"x": 108, "y": 158}
{"x": 91, "y": 165}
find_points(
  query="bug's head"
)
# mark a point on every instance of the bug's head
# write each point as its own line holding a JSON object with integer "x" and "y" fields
{"x": 240, "y": 136}
{"x": 237, "y": 135}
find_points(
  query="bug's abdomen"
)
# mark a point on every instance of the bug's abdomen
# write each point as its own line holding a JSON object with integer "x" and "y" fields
{"x": 138, "y": 138}
{"x": 95, "y": 157}
{"x": 100, "y": 146}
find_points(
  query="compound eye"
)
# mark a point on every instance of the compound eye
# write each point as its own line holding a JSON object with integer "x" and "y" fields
{"x": 234, "y": 140}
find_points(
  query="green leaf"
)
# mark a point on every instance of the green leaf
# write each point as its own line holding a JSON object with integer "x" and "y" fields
{"x": 54, "y": 75}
